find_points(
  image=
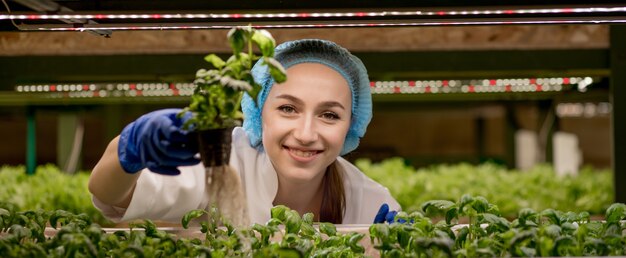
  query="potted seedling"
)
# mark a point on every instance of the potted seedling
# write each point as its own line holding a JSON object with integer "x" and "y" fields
{"x": 215, "y": 108}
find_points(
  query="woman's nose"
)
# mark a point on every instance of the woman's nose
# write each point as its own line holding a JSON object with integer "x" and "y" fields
{"x": 305, "y": 131}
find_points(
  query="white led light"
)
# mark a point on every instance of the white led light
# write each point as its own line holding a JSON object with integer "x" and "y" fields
{"x": 39, "y": 88}
{"x": 452, "y": 83}
{"x": 604, "y": 108}
{"x": 66, "y": 87}
{"x": 465, "y": 88}
{"x": 19, "y": 88}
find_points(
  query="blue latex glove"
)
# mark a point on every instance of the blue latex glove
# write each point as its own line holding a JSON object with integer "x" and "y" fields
{"x": 157, "y": 142}
{"x": 385, "y": 215}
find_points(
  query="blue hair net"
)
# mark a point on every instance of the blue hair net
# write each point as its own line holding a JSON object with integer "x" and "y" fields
{"x": 313, "y": 51}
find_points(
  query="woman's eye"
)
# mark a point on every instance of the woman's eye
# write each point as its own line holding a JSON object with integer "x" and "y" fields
{"x": 330, "y": 116}
{"x": 287, "y": 109}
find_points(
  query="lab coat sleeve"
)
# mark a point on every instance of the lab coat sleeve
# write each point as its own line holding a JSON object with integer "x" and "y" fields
{"x": 161, "y": 197}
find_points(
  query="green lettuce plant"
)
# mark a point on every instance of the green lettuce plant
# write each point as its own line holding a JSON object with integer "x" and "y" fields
{"x": 216, "y": 100}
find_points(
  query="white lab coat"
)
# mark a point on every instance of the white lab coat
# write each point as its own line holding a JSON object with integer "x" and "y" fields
{"x": 168, "y": 198}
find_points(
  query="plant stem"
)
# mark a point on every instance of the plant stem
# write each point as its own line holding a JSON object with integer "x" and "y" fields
{"x": 250, "y": 57}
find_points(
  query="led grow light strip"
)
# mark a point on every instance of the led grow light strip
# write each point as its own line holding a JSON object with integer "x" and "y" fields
{"x": 301, "y": 15}
{"x": 337, "y": 24}
{"x": 377, "y": 87}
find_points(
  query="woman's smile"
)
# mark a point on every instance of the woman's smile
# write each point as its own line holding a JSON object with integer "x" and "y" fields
{"x": 302, "y": 155}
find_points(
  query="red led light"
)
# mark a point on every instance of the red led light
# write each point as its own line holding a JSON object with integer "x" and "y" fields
{"x": 236, "y": 16}
{"x": 360, "y": 14}
{"x": 538, "y": 88}
{"x": 85, "y": 87}
{"x": 507, "y": 88}
{"x": 304, "y": 15}
{"x": 565, "y": 80}
{"x": 427, "y": 89}
{"x": 172, "y": 86}
{"x": 445, "y": 83}
{"x": 533, "y": 81}
{"x": 492, "y": 82}
{"x": 156, "y": 16}
{"x": 441, "y": 13}
{"x": 508, "y": 12}
{"x": 396, "y": 89}
{"x": 470, "y": 88}
{"x": 53, "y": 87}
{"x": 33, "y": 17}
{"x": 132, "y": 86}
{"x": 100, "y": 16}
{"x": 412, "y": 83}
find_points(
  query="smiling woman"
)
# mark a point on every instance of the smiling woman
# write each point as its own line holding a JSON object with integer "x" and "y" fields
{"x": 287, "y": 153}
{"x": 305, "y": 122}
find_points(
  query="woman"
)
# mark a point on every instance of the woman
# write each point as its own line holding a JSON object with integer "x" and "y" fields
{"x": 287, "y": 152}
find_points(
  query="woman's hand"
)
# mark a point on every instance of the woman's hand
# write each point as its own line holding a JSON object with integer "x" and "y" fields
{"x": 156, "y": 141}
{"x": 384, "y": 214}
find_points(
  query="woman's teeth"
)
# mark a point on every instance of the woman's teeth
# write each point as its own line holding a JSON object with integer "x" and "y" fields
{"x": 304, "y": 154}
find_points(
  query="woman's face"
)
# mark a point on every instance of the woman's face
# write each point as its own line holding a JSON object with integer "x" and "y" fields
{"x": 305, "y": 121}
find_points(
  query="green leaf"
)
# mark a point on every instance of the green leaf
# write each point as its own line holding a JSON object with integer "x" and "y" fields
{"x": 552, "y": 231}
{"x": 278, "y": 212}
{"x": 277, "y": 71}
{"x": 307, "y": 230}
{"x": 237, "y": 39}
{"x": 498, "y": 222}
{"x": 285, "y": 252}
{"x": 191, "y": 215}
{"x": 480, "y": 204}
{"x": 308, "y": 218}
{"x": 379, "y": 230}
{"x": 292, "y": 222}
{"x": 552, "y": 216}
{"x": 452, "y": 213}
{"x": 214, "y": 60}
{"x": 328, "y": 229}
{"x": 565, "y": 246}
{"x": 524, "y": 215}
{"x": 264, "y": 40}
{"x": 437, "y": 206}
{"x": 615, "y": 212}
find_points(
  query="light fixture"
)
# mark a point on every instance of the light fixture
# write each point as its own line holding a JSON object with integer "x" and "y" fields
{"x": 84, "y": 21}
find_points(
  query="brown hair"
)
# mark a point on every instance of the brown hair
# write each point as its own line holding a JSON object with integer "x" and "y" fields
{"x": 334, "y": 196}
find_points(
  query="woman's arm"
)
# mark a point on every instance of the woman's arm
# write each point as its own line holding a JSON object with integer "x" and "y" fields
{"x": 109, "y": 182}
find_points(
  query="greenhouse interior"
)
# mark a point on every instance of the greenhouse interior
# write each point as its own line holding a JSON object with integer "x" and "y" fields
{"x": 494, "y": 129}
